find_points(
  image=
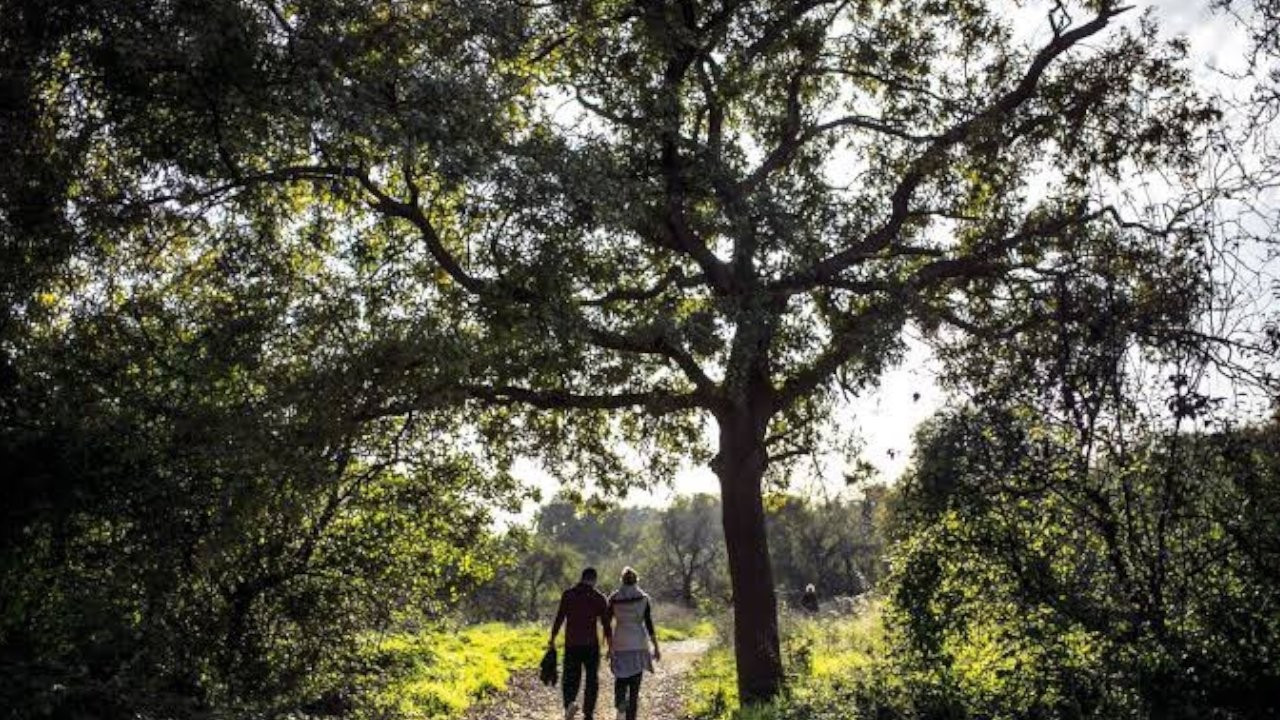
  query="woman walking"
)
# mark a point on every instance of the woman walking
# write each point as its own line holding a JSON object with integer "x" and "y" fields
{"x": 629, "y": 652}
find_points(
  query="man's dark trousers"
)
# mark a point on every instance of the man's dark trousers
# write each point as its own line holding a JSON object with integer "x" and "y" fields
{"x": 577, "y": 659}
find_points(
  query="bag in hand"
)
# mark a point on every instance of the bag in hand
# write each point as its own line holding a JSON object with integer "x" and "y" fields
{"x": 548, "y": 671}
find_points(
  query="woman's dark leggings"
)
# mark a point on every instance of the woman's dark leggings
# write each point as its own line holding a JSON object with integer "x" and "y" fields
{"x": 626, "y": 694}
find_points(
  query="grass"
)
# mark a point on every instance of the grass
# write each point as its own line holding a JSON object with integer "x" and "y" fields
{"x": 700, "y": 629}
{"x": 713, "y": 689}
{"x": 674, "y": 622}
{"x": 824, "y": 656}
{"x": 438, "y": 675}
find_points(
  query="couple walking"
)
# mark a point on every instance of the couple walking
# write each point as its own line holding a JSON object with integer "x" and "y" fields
{"x": 628, "y": 629}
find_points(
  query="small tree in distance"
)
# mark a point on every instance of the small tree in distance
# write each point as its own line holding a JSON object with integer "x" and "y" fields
{"x": 690, "y": 538}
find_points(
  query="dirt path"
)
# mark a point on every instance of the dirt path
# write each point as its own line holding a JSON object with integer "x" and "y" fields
{"x": 661, "y": 695}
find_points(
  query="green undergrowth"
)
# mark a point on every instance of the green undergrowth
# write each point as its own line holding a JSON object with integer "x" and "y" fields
{"x": 835, "y": 666}
{"x": 438, "y": 675}
{"x": 852, "y": 668}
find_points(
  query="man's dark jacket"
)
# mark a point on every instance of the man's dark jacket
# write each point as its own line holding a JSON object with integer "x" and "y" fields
{"x": 581, "y": 607}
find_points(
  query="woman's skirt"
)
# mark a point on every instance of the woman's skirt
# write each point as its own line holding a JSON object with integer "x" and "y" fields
{"x": 629, "y": 663}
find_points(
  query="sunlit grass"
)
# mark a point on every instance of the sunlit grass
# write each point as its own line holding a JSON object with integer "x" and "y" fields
{"x": 438, "y": 675}
{"x": 822, "y": 655}
{"x": 702, "y": 628}
{"x": 713, "y": 689}
{"x": 676, "y": 622}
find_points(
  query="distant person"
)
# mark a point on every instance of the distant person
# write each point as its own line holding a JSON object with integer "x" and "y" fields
{"x": 582, "y": 607}
{"x": 809, "y": 600}
{"x": 629, "y": 649}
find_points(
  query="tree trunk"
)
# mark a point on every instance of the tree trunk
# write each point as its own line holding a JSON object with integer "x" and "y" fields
{"x": 535, "y": 586}
{"x": 686, "y": 590}
{"x": 740, "y": 466}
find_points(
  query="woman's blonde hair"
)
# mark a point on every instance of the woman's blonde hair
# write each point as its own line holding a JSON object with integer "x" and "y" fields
{"x": 629, "y": 576}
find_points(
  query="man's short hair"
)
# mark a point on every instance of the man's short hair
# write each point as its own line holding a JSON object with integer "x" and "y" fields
{"x": 589, "y": 575}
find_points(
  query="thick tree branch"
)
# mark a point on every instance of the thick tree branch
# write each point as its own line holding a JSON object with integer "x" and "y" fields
{"x": 674, "y": 278}
{"x": 446, "y": 395}
{"x": 411, "y": 211}
{"x": 675, "y": 232}
{"x": 656, "y": 343}
{"x": 794, "y": 140}
{"x": 654, "y": 402}
{"x": 379, "y": 199}
{"x": 846, "y": 344}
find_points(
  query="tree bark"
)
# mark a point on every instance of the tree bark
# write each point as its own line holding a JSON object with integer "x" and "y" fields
{"x": 740, "y": 467}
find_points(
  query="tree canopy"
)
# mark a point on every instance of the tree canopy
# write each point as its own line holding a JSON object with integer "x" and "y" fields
{"x": 433, "y": 236}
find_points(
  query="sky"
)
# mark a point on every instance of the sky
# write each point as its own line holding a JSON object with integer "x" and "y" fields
{"x": 886, "y": 417}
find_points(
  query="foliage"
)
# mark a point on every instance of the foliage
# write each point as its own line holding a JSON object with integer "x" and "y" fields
{"x": 203, "y": 516}
{"x": 437, "y": 675}
{"x": 836, "y": 542}
{"x": 1144, "y": 587}
{"x": 838, "y": 667}
{"x": 264, "y": 248}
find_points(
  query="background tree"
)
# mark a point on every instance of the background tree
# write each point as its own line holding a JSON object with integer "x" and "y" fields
{"x": 547, "y": 569}
{"x": 836, "y": 542}
{"x": 738, "y": 213}
{"x": 691, "y": 545}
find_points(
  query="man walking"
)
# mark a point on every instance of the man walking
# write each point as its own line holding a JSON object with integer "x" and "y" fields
{"x": 582, "y": 609}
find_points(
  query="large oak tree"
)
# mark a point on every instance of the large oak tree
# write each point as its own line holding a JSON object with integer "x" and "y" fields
{"x": 606, "y": 221}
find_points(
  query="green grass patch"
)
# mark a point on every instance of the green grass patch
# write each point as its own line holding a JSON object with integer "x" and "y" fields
{"x": 676, "y": 622}
{"x": 437, "y": 675}
{"x": 824, "y": 657}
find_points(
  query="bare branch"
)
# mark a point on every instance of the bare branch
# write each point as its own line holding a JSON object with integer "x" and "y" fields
{"x": 824, "y": 270}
